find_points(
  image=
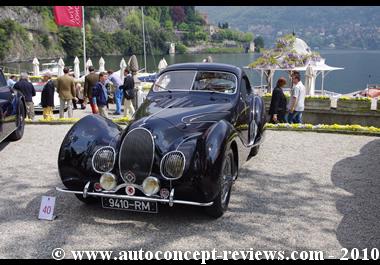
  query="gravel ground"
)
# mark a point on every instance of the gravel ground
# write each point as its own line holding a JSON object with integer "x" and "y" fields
{"x": 304, "y": 191}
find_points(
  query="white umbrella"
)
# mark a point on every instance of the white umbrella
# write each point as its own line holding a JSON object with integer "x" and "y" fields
{"x": 123, "y": 65}
{"x": 61, "y": 65}
{"x": 162, "y": 64}
{"x": 76, "y": 68}
{"x": 36, "y": 67}
{"x": 101, "y": 64}
{"x": 310, "y": 77}
{"x": 88, "y": 64}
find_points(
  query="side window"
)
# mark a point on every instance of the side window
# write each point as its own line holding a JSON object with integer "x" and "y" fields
{"x": 3, "y": 82}
{"x": 245, "y": 87}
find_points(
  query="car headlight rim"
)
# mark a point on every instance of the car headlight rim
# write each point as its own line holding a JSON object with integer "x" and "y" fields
{"x": 172, "y": 165}
{"x": 98, "y": 161}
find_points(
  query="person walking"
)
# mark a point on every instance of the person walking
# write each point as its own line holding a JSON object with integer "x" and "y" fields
{"x": 118, "y": 94}
{"x": 47, "y": 96}
{"x": 66, "y": 91}
{"x": 27, "y": 89}
{"x": 90, "y": 81}
{"x": 129, "y": 93}
{"x": 278, "y": 103}
{"x": 297, "y": 100}
{"x": 100, "y": 94}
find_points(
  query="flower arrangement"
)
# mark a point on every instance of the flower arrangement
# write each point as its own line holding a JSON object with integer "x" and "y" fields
{"x": 326, "y": 127}
{"x": 345, "y": 98}
{"x": 317, "y": 98}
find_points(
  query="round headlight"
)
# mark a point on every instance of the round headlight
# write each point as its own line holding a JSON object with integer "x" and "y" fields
{"x": 108, "y": 181}
{"x": 103, "y": 159}
{"x": 151, "y": 186}
{"x": 172, "y": 165}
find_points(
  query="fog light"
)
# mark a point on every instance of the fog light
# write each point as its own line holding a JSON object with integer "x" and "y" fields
{"x": 108, "y": 181}
{"x": 151, "y": 186}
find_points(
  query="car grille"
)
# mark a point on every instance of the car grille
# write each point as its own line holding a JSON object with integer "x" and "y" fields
{"x": 136, "y": 155}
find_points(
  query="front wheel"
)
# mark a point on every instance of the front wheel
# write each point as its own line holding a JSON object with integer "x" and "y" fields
{"x": 226, "y": 178}
{"x": 19, "y": 132}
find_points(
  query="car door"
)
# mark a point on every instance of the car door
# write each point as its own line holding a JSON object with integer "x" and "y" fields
{"x": 7, "y": 108}
{"x": 244, "y": 110}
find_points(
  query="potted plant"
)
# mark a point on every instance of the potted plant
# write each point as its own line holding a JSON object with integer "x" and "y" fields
{"x": 317, "y": 103}
{"x": 362, "y": 104}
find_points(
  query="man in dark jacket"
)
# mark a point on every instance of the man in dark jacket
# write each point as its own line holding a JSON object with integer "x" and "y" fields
{"x": 100, "y": 94}
{"x": 89, "y": 83}
{"x": 27, "y": 89}
{"x": 47, "y": 96}
{"x": 128, "y": 89}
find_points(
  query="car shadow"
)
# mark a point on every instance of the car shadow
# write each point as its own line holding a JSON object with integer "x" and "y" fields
{"x": 359, "y": 176}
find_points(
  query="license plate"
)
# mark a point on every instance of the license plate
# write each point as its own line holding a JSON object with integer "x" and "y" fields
{"x": 130, "y": 205}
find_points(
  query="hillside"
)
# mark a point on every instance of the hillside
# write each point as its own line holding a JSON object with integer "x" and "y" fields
{"x": 344, "y": 27}
{"x": 30, "y": 31}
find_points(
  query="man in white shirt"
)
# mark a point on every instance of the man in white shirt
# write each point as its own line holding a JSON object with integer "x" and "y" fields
{"x": 297, "y": 100}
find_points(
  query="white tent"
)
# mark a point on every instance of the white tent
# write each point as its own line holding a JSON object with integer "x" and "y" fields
{"x": 76, "y": 68}
{"x": 162, "y": 64}
{"x": 101, "y": 64}
{"x": 123, "y": 65}
{"x": 61, "y": 65}
{"x": 88, "y": 64}
{"x": 36, "y": 67}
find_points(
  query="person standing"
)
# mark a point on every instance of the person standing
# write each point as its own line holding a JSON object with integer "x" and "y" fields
{"x": 297, "y": 100}
{"x": 47, "y": 96}
{"x": 118, "y": 94}
{"x": 100, "y": 94}
{"x": 11, "y": 81}
{"x": 278, "y": 103}
{"x": 66, "y": 91}
{"x": 27, "y": 89}
{"x": 129, "y": 93}
{"x": 89, "y": 83}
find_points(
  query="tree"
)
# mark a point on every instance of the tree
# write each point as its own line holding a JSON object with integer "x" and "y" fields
{"x": 71, "y": 40}
{"x": 259, "y": 43}
{"x": 178, "y": 14}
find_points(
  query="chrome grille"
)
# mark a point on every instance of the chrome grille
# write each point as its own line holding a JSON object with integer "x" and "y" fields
{"x": 136, "y": 154}
{"x": 104, "y": 159}
{"x": 172, "y": 165}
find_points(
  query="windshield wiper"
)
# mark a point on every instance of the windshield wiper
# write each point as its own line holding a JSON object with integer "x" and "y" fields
{"x": 163, "y": 88}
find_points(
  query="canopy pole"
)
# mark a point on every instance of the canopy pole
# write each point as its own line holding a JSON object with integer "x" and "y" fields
{"x": 323, "y": 80}
{"x": 84, "y": 42}
{"x": 143, "y": 30}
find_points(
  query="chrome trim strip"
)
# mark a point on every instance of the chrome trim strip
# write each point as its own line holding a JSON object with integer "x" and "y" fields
{"x": 98, "y": 194}
{"x": 114, "y": 159}
{"x": 183, "y": 167}
{"x": 122, "y": 143}
{"x": 85, "y": 190}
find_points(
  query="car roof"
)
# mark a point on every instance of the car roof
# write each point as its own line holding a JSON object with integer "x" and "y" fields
{"x": 204, "y": 67}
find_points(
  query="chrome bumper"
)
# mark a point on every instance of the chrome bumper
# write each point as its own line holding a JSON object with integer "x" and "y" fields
{"x": 170, "y": 201}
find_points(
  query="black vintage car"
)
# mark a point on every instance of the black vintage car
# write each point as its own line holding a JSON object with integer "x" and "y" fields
{"x": 12, "y": 111}
{"x": 198, "y": 124}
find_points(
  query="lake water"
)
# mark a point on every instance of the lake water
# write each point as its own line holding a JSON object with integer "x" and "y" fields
{"x": 358, "y": 65}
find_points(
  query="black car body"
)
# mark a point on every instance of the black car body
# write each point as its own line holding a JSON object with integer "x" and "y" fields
{"x": 198, "y": 124}
{"x": 12, "y": 111}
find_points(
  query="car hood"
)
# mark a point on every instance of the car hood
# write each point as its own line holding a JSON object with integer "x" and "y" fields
{"x": 172, "y": 119}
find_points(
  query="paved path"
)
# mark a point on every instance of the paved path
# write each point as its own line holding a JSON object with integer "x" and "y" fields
{"x": 304, "y": 191}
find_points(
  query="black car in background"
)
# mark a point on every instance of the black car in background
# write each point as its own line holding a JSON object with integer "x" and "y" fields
{"x": 12, "y": 112}
{"x": 197, "y": 126}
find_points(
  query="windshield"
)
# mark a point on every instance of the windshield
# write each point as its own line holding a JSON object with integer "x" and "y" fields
{"x": 208, "y": 81}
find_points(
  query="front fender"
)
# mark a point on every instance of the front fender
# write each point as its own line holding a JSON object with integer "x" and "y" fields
{"x": 217, "y": 139}
{"x": 83, "y": 139}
